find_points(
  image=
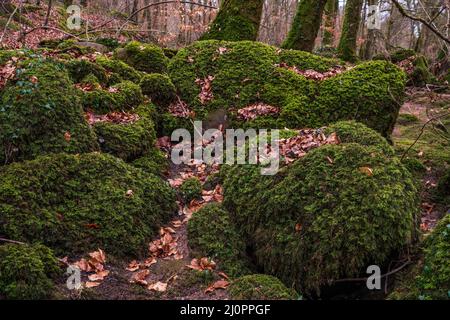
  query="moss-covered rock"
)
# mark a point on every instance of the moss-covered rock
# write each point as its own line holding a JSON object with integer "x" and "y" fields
{"x": 239, "y": 74}
{"x": 40, "y": 114}
{"x": 430, "y": 278}
{"x": 154, "y": 162}
{"x": 355, "y": 132}
{"x": 191, "y": 189}
{"x": 79, "y": 69}
{"x": 119, "y": 70}
{"x": 370, "y": 93}
{"x": 128, "y": 141}
{"x": 212, "y": 234}
{"x": 260, "y": 287}
{"x": 443, "y": 189}
{"x": 159, "y": 88}
{"x": 402, "y": 54}
{"x": 76, "y": 203}
{"x": 143, "y": 57}
{"x": 318, "y": 219}
{"x": 123, "y": 96}
{"x": 27, "y": 271}
{"x": 434, "y": 281}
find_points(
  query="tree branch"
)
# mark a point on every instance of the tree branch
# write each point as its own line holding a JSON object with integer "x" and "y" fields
{"x": 157, "y": 4}
{"x": 423, "y": 21}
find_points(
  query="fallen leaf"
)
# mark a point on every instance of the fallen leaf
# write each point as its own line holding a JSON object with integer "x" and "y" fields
{"x": 220, "y": 284}
{"x": 366, "y": 170}
{"x": 133, "y": 266}
{"x": 158, "y": 286}
{"x": 91, "y": 284}
{"x": 99, "y": 276}
{"x": 67, "y": 136}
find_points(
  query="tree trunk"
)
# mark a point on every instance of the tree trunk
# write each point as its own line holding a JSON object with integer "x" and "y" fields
{"x": 306, "y": 25}
{"x": 348, "y": 41}
{"x": 331, "y": 10}
{"x": 237, "y": 20}
{"x": 375, "y": 43}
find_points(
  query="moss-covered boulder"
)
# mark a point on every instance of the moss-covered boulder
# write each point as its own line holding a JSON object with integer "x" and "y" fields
{"x": 79, "y": 69}
{"x": 143, "y": 57}
{"x": 326, "y": 216}
{"x": 370, "y": 93}
{"x": 443, "y": 189}
{"x": 27, "y": 271}
{"x": 128, "y": 141}
{"x": 430, "y": 278}
{"x": 191, "y": 189}
{"x": 119, "y": 70}
{"x": 210, "y": 75}
{"x": 76, "y": 203}
{"x": 153, "y": 162}
{"x": 40, "y": 113}
{"x": 356, "y": 132}
{"x": 260, "y": 287}
{"x": 123, "y": 96}
{"x": 211, "y": 233}
{"x": 159, "y": 88}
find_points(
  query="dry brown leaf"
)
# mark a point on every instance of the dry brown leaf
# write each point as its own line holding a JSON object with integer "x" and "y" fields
{"x": 99, "y": 276}
{"x": 220, "y": 284}
{"x": 158, "y": 286}
{"x": 133, "y": 266}
{"x": 91, "y": 284}
{"x": 366, "y": 170}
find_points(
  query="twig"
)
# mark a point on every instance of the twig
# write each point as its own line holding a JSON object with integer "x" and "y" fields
{"x": 50, "y": 28}
{"x": 157, "y": 4}
{"x": 8, "y": 22}
{"x": 423, "y": 21}
{"x": 23, "y": 243}
{"x": 382, "y": 276}
{"x": 422, "y": 132}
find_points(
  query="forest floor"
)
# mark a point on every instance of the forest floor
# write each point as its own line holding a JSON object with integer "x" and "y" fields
{"x": 170, "y": 271}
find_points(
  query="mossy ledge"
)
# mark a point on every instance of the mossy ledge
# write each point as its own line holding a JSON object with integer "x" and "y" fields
{"x": 77, "y": 203}
{"x": 245, "y": 72}
{"x": 326, "y": 216}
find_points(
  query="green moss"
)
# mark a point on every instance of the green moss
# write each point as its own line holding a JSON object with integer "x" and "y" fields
{"x": 434, "y": 281}
{"x": 159, "y": 88}
{"x": 154, "y": 162}
{"x": 407, "y": 118}
{"x": 355, "y": 132}
{"x": 402, "y": 54}
{"x": 370, "y": 93}
{"x": 40, "y": 114}
{"x": 127, "y": 141}
{"x": 119, "y": 69}
{"x": 26, "y": 271}
{"x": 212, "y": 234}
{"x": 143, "y": 57}
{"x": 307, "y": 61}
{"x": 430, "y": 278}
{"x": 79, "y": 69}
{"x": 236, "y": 21}
{"x": 319, "y": 220}
{"x": 443, "y": 189}
{"x": 110, "y": 43}
{"x": 123, "y": 96}
{"x": 421, "y": 74}
{"x": 74, "y": 204}
{"x": 191, "y": 189}
{"x": 260, "y": 287}
{"x": 170, "y": 53}
{"x": 248, "y": 72}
